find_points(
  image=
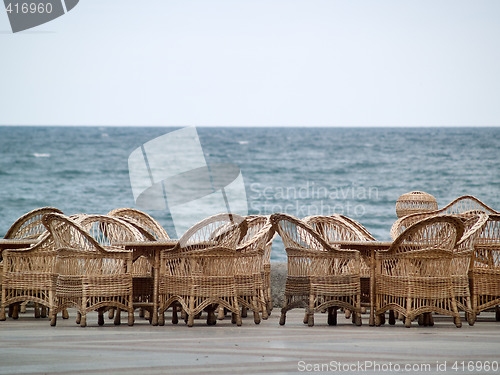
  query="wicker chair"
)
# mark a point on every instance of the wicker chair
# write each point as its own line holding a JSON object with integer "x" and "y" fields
{"x": 28, "y": 226}
{"x": 198, "y": 274}
{"x": 414, "y": 276}
{"x": 342, "y": 228}
{"x": 319, "y": 275}
{"x": 143, "y": 266}
{"x": 466, "y": 205}
{"x": 249, "y": 267}
{"x": 485, "y": 269}
{"x": 29, "y": 275}
{"x": 92, "y": 273}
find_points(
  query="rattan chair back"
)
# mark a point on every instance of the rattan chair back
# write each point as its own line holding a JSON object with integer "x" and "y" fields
{"x": 29, "y": 226}
{"x": 319, "y": 275}
{"x": 146, "y": 224}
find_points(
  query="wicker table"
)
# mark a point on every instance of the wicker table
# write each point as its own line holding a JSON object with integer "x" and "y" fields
{"x": 151, "y": 249}
{"x": 367, "y": 250}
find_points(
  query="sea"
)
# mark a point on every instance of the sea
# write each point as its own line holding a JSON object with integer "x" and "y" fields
{"x": 358, "y": 172}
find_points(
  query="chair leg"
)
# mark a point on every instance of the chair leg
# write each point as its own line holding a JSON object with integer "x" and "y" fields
{"x": 255, "y": 309}
{"x": 36, "y": 309}
{"x": 211, "y": 318}
{"x": 111, "y": 313}
{"x": 392, "y": 317}
{"x": 130, "y": 321}
{"x": 190, "y": 320}
{"x": 43, "y": 312}
{"x": 118, "y": 318}
{"x": 161, "y": 318}
{"x": 221, "y": 313}
{"x": 497, "y": 313}
{"x": 100, "y": 316}
{"x": 306, "y": 317}
{"x": 175, "y": 317}
{"x": 356, "y": 319}
{"x": 332, "y": 316}
{"x": 53, "y": 319}
{"x": 15, "y": 310}
{"x": 310, "y": 320}
{"x": 244, "y": 312}
{"x": 65, "y": 314}
{"x": 83, "y": 321}
{"x": 283, "y": 317}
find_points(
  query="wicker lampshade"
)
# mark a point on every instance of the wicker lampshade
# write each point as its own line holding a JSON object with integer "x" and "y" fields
{"x": 415, "y": 202}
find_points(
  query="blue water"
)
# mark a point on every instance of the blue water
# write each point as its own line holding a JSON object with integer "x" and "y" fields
{"x": 359, "y": 172}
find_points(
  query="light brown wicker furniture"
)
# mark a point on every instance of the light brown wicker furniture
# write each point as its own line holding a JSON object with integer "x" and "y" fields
{"x": 142, "y": 268}
{"x": 415, "y": 202}
{"x": 28, "y": 275}
{"x": 91, "y": 273}
{"x": 249, "y": 267}
{"x": 337, "y": 228}
{"x": 466, "y": 205}
{"x": 28, "y": 226}
{"x": 413, "y": 277}
{"x": 485, "y": 268}
{"x": 319, "y": 275}
{"x": 198, "y": 273}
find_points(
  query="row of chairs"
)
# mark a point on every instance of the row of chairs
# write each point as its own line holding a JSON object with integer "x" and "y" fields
{"x": 440, "y": 261}
{"x": 223, "y": 261}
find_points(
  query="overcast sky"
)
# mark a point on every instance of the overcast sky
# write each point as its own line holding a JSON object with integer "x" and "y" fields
{"x": 256, "y": 63}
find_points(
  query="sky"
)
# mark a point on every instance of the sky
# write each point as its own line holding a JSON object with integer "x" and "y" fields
{"x": 256, "y": 63}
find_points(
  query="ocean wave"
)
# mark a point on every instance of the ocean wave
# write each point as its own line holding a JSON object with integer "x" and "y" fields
{"x": 41, "y": 155}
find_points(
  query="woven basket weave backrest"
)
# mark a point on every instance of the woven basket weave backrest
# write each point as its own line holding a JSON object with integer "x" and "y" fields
{"x": 29, "y": 226}
{"x": 69, "y": 234}
{"x": 257, "y": 236}
{"x": 466, "y": 203}
{"x": 109, "y": 230}
{"x": 298, "y": 235}
{"x": 358, "y": 226}
{"x": 255, "y": 225}
{"x": 488, "y": 245}
{"x": 222, "y": 230}
{"x": 333, "y": 228}
{"x": 150, "y": 228}
{"x": 435, "y": 233}
{"x": 473, "y": 227}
